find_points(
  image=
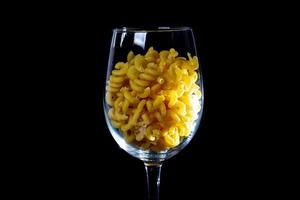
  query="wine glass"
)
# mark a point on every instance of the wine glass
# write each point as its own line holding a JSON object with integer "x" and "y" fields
{"x": 153, "y": 99}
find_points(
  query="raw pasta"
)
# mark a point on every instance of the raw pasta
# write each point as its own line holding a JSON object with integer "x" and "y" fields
{"x": 154, "y": 99}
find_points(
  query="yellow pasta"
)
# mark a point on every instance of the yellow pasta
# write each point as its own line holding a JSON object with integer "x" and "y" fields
{"x": 116, "y": 124}
{"x": 120, "y": 72}
{"x": 136, "y": 87}
{"x": 173, "y": 53}
{"x": 160, "y": 80}
{"x": 151, "y": 71}
{"x": 116, "y": 79}
{"x": 125, "y": 106}
{"x": 112, "y": 89}
{"x": 180, "y": 108}
{"x": 149, "y": 134}
{"x": 152, "y": 65}
{"x": 155, "y": 88}
{"x": 172, "y": 99}
{"x": 138, "y": 111}
{"x": 151, "y": 55}
{"x": 141, "y": 82}
{"x": 115, "y": 85}
{"x": 146, "y": 118}
{"x": 116, "y": 116}
{"x": 130, "y": 98}
{"x": 145, "y": 94}
{"x": 120, "y": 65}
{"x": 139, "y": 63}
{"x": 109, "y": 98}
{"x": 132, "y": 73}
{"x": 147, "y": 77}
{"x": 158, "y": 100}
{"x": 163, "y": 109}
{"x": 130, "y": 56}
{"x": 149, "y": 105}
{"x": 174, "y": 116}
{"x": 129, "y": 137}
{"x": 153, "y": 98}
{"x": 172, "y": 138}
{"x": 158, "y": 116}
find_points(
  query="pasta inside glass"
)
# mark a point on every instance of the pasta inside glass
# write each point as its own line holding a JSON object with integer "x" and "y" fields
{"x": 153, "y": 97}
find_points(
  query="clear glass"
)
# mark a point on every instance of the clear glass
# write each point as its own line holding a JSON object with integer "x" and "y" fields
{"x": 139, "y": 41}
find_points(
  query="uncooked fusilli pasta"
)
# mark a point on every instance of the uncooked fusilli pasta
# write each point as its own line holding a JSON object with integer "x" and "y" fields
{"x": 152, "y": 98}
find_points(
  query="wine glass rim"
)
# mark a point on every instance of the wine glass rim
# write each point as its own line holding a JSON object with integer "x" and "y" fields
{"x": 155, "y": 29}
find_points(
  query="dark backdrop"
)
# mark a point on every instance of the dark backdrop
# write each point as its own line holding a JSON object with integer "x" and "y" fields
{"x": 73, "y": 154}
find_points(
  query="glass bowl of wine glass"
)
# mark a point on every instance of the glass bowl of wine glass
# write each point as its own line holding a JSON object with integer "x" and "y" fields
{"x": 153, "y": 99}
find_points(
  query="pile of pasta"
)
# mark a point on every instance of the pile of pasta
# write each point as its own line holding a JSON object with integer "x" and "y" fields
{"x": 154, "y": 98}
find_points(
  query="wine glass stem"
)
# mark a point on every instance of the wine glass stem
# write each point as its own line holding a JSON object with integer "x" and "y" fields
{"x": 153, "y": 180}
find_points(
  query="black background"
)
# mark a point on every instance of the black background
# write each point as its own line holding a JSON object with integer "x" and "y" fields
{"x": 71, "y": 153}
